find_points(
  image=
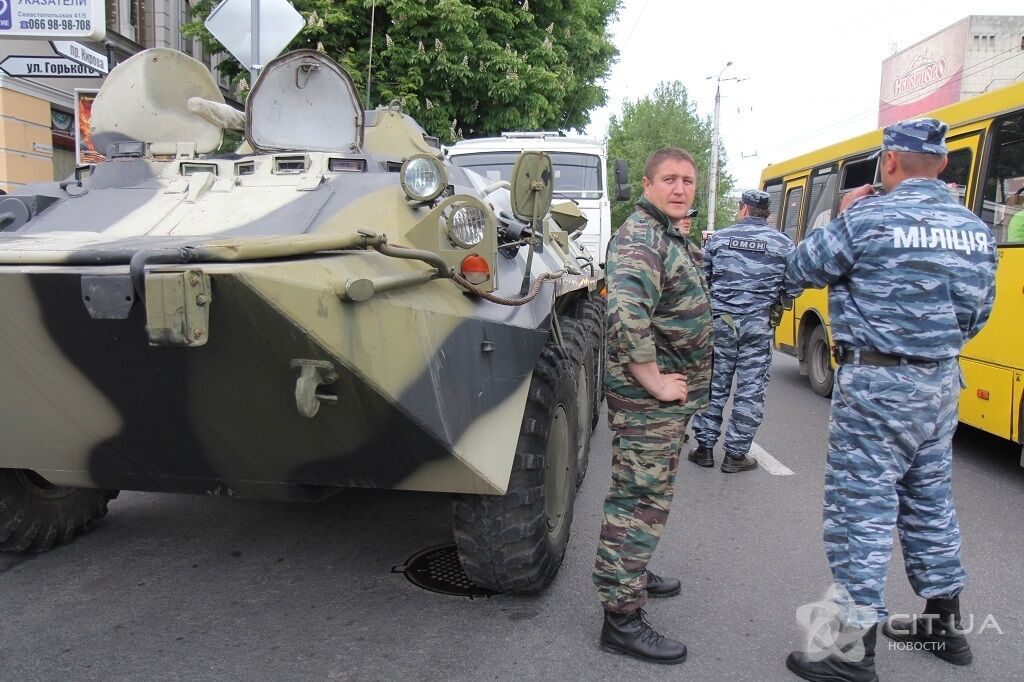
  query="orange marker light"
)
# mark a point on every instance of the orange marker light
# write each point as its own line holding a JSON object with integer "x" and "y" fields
{"x": 475, "y": 269}
{"x": 983, "y": 394}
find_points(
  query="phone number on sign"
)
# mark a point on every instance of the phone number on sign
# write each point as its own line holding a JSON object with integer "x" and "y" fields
{"x": 57, "y": 24}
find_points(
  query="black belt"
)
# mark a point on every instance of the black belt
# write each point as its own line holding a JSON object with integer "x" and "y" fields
{"x": 853, "y": 356}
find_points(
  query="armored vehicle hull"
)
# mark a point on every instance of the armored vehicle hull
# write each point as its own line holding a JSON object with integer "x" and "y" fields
{"x": 304, "y": 315}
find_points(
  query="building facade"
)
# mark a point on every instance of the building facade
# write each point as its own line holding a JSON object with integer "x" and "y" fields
{"x": 975, "y": 55}
{"x": 37, "y": 117}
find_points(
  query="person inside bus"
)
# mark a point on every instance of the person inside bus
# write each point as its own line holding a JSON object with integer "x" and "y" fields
{"x": 1015, "y": 228}
{"x": 902, "y": 306}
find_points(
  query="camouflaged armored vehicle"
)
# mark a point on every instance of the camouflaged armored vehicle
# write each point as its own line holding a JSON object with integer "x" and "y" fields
{"x": 334, "y": 305}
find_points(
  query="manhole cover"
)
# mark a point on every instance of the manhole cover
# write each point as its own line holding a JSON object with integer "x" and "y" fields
{"x": 438, "y": 569}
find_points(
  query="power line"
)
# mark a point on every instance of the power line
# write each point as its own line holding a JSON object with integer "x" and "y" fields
{"x": 854, "y": 117}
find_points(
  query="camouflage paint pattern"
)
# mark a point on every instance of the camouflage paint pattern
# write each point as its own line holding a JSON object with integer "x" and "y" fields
{"x": 744, "y": 264}
{"x": 89, "y": 402}
{"x": 658, "y": 309}
{"x": 911, "y": 274}
{"x": 645, "y": 456}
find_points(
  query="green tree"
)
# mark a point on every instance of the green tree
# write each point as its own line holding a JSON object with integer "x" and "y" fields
{"x": 462, "y": 68}
{"x": 668, "y": 118}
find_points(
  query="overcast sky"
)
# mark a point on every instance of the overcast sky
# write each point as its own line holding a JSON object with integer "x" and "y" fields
{"x": 812, "y": 69}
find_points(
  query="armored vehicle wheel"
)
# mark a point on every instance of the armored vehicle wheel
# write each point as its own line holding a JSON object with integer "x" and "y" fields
{"x": 819, "y": 363}
{"x": 515, "y": 542}
{"x": 579, "y": 346}
{"x": 35, "y": 514}
{"x": 591, "y": 311}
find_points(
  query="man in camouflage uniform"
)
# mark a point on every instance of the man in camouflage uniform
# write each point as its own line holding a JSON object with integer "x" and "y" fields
{"x": 911, "y": 277}
{"x": 658, "y": 373}
{"x": 743, "y": 264}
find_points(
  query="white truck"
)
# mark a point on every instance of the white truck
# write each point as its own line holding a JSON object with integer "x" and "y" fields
{"x": 581, "y": 174}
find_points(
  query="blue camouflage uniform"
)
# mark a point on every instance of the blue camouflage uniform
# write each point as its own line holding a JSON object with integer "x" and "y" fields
{"x": 911, "y": 279}
{"x": 744, "y": 264}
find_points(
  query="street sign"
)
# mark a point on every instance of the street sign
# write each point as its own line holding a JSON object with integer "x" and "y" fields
{"x": 230, "y": 22}
{"x": 49, "y": 19}
{"x": 81, "y": 54}
{"x": 24, "y": 66}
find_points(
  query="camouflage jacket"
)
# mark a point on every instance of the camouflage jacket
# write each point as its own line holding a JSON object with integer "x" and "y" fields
{"x": 744, "y": 264}
{"x": 911, "y": 273}
{"x": 658, "y": 310}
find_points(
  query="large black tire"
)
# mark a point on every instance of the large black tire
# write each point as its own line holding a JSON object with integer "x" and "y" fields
{"x": 819, "y": 362}
{"x": 515, "y": 542}
{"x": 579, "y": 346}
{"x": 591, "y": 311}
{"x": 36, "y": 515}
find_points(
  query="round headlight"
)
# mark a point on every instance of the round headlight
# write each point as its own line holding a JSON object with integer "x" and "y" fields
{"x": 423, "y": 177}
{"x": 466, "y": 226}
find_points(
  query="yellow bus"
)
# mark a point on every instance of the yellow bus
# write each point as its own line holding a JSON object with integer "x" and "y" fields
{"x": 986, "y": 171}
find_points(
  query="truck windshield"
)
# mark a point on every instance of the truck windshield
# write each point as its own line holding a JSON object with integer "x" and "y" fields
{"x": 577, "y": 176}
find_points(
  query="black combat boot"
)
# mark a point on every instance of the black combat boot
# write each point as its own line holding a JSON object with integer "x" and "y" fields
{"x": 836, "y": 667}
{"x": 939, "y": 633}
{"x": 662, "y": 587}
{"x": 701, "y": 456}
{"x": 630, "y": 634}
{"x": 731, "y": 465}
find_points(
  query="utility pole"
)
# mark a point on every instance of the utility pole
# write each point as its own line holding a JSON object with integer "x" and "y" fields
{"x": 713, "y": 174}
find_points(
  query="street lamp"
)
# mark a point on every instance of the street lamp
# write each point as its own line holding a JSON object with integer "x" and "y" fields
{"x": 713, "y": 175}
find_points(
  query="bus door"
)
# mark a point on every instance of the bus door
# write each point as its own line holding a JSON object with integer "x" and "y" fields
{"x": 993, "y": 361}
{"x": 791, "y": 195}
{"x": 962, "y": 153}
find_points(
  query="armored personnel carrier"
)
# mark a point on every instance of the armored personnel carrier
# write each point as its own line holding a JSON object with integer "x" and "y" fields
{"x": 332, "y": 305}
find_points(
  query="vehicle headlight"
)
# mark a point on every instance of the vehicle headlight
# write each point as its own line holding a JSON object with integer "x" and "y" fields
{"x": 423, "y": 177}
{"x": 466, "y": 225}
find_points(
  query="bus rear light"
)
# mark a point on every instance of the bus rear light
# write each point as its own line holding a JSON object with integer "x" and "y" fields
{"x": 475, "y": 269}
{"x": 983, "y": 394}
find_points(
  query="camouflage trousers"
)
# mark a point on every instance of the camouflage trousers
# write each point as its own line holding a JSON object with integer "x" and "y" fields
{"x": 743, "y": 349}
{"x": 889, "y": 465}
{"x": 645, "y": 456}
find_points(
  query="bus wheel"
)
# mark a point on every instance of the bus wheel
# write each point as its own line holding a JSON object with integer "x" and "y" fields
{"x": 819, "y": 362}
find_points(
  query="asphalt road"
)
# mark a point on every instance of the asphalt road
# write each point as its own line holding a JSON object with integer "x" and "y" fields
{"x": 172, "y": 587}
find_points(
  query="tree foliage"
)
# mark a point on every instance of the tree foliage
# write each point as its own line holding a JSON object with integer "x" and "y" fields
{"x": 462, "y": 68}
{"x": 668, "y": 118}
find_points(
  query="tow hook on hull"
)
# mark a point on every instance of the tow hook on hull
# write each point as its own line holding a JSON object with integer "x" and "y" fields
{"x": 312, "y": 375}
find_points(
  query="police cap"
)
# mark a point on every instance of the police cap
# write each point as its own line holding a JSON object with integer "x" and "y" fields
{"x": 919, "y": 135}
{"x": 755, "y": 198}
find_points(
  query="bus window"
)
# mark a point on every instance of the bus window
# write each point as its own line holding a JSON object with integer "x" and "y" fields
{"x": 823, "y": 199}
{"x": 1003, "y": 207}
{"x": 775, "y": 192}
{"x": 958, "y": 172}
{"x": 863, "y": 171}
{"x": 791, "y": 213}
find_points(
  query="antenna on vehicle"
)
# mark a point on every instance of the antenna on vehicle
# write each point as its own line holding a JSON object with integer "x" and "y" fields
{"x": 369, "y": 64}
